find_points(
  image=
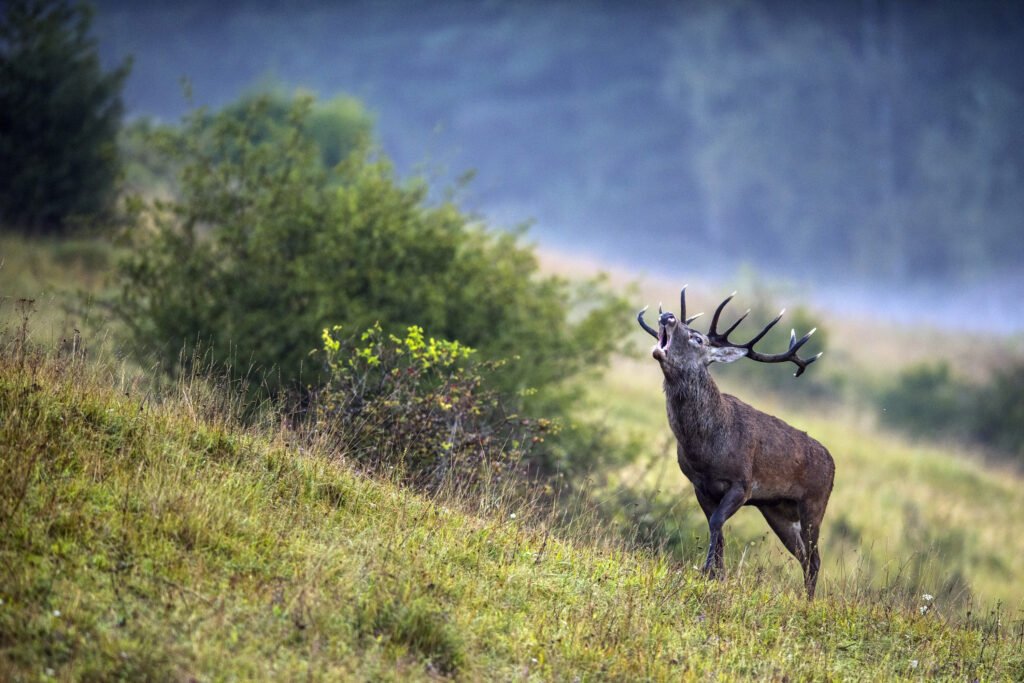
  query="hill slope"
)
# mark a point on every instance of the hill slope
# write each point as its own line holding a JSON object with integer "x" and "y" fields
{"x": 156, "y": 539}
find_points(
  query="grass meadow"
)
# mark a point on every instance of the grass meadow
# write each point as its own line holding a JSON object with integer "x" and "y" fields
{"x": 148, "y": 533}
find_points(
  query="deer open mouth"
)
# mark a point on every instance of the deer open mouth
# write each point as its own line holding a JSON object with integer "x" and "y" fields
{"x": 660, "y": 350}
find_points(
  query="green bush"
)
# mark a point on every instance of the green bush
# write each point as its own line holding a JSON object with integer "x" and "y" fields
{"x": 265, "y": 246}
{"x": 998, "y": 415}
{"x": 421, "y": 404}
{"x": 928, "y": 400}
{"x": 59, "y": 119}
{"x": 338, "y": 126}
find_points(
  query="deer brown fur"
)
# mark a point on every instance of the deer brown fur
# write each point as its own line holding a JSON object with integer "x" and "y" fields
{"x": 734, "y": 454}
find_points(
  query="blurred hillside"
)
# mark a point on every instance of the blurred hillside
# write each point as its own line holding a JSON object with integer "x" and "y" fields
{"x": 870, "y": 142}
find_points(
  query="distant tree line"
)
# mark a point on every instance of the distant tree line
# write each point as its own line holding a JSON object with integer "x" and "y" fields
{"x": 878, "y": 136}
{"x": 864, "y": 139}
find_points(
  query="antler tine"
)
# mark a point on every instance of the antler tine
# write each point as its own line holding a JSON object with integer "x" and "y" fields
{"x": 789, "y": 355}
{"x": 804, "y": 363}
{"x": 643, "y": 323}
{"x": 713, "y": 330}
{"x": 769, "y": 326}
{"x": 794, "y": 344}
{"x": 682, "y": 304}
{"x": 736, "y": 324}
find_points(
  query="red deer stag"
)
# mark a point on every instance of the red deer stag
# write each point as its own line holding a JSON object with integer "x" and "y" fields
{"x": 734, "y": 454}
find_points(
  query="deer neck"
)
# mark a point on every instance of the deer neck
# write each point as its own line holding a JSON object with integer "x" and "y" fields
{"x": 695, "y": 405}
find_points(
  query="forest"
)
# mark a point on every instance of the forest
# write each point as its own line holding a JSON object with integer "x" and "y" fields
{"x": 870, "y": 142}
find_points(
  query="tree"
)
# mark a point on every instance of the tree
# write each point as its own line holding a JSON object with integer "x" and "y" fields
{"x": 265, "y": 246}
{"x": 337, "y": 126}
{"x": 59, "y": 118}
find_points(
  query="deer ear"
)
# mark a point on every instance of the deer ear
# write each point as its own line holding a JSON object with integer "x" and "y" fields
{"x": 726, "y": 354}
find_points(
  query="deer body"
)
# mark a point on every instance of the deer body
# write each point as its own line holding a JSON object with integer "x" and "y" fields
{"x": 736, "y": 455}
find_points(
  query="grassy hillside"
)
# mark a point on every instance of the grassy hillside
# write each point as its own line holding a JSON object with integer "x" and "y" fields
{"x": 149, "y": 536}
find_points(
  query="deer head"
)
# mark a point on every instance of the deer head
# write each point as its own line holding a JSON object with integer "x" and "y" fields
{"x": 681, "y": 348}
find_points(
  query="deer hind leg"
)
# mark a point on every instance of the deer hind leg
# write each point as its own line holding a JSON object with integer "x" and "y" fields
{"x": 784, "y": 519}
{"x": 811, "y": 514}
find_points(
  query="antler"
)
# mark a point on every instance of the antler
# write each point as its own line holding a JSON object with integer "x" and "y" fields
{"x": 722, "y": 339}
{"x": 643, "y": 324}
{"x": 682, "y": 314}
{"x": 682, "y": 307}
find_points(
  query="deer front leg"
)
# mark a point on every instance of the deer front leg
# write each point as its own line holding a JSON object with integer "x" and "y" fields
{"x": 734, "y": 498}
{"x": 709, "y": 505}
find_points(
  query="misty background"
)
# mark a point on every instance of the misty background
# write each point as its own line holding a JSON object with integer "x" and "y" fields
{"x": 872, "y": 151}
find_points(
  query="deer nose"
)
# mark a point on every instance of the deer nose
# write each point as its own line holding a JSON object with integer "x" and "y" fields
{"x": 666, "y": 319}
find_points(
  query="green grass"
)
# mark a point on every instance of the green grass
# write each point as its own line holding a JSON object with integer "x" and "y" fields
{"x": 49, "y": 280}
{"x": 151, "y": 537}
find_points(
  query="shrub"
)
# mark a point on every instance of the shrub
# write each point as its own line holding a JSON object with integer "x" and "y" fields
{"x": 998, "y": 415}
{"x": 422, "y": 404}
{"x": 928, "y": 400}
{"x": 59, "y": 118}
{"x": 338, "y": 126}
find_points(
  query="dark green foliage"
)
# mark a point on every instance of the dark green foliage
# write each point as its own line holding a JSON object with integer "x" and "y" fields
{"x": 338, "y": 126}
{"x": 59, "y": 118}
{"x": 228, "y": 264}
{"x": 999, "y": 410}
{"x": 266, "y": 247}
{"x": 928, "y": 400}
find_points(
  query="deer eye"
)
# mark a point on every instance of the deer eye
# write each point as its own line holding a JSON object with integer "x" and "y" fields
{"x": 699, "y": 341}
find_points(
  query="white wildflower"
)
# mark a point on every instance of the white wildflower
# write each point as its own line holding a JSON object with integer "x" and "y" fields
{"x": 512, "y": 516}
{"x": 56, "y": 612}
{"x": 913, "y": 663}
{"x": 927, "y": 598}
